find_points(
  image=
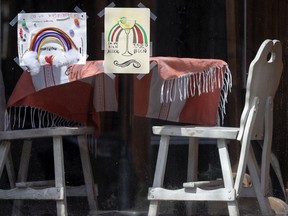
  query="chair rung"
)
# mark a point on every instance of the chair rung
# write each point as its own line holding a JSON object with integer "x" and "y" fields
{"x": 35, "y": 194}
{"x": 221, "y": 194}
{"x": 77, "y": 191}
{"x": 203, "y": 184}
{"x": 35, "y": 184}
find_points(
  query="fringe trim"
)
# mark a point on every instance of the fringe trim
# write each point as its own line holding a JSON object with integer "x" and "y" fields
{"x": 30, "y": 117}
{"x": 227, "y": 86}
{"x": 200, "y": 82}
{"x": 21, "y": 117}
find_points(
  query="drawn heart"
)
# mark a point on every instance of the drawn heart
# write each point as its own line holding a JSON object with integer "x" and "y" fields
{"x": 49, "y": 59}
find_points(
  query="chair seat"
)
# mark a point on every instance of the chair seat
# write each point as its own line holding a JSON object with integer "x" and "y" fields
{"x": 198, "y": 131}
{"x": 44, "y": 132}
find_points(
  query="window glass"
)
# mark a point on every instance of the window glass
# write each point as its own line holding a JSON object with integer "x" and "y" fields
{"x": 124, "y": 153}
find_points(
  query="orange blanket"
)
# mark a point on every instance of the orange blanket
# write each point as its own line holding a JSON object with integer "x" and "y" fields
{"x": 186, "y": 90}
{"x": 176, "y": 89}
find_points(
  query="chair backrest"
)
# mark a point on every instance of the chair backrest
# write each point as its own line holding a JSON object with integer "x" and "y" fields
{"x": 262, "y": 82}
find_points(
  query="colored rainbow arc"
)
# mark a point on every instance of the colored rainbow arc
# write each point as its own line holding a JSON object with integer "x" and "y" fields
{"x": 51, "y": 34}
{"x": 139, "y": 34}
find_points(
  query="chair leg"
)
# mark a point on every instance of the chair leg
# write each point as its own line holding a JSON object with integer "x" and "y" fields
{"x": 88, "y": 174}
{"x": 6, "y": 159}
{"x": 192, "y": 170}
{"x": 159, "y": 172}
{"x": 192, "y": 159}
{"x": 254, "y": 173}
{"x": 10, "y": 170}
{"x": 22, "y": 173}
{"x": 59, "y": 174}
{"x": 233, "y": 208}
{"x": 4, "y": 151}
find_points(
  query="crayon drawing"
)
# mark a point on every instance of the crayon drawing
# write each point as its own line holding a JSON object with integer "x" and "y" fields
{"x": 127, "y": 40}
{"x": 56, "y": 39}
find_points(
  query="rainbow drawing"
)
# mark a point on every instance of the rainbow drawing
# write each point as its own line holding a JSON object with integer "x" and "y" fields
{"x": 49, "y": 34}
{"x": 139, "y": 34}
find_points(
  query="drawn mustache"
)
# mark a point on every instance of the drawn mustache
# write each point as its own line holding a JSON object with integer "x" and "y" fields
{"x": 135, "y": 63}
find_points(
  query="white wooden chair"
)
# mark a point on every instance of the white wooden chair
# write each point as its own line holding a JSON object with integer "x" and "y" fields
{"x": 256, "y": 124}
{"x": 48, "y": 189}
